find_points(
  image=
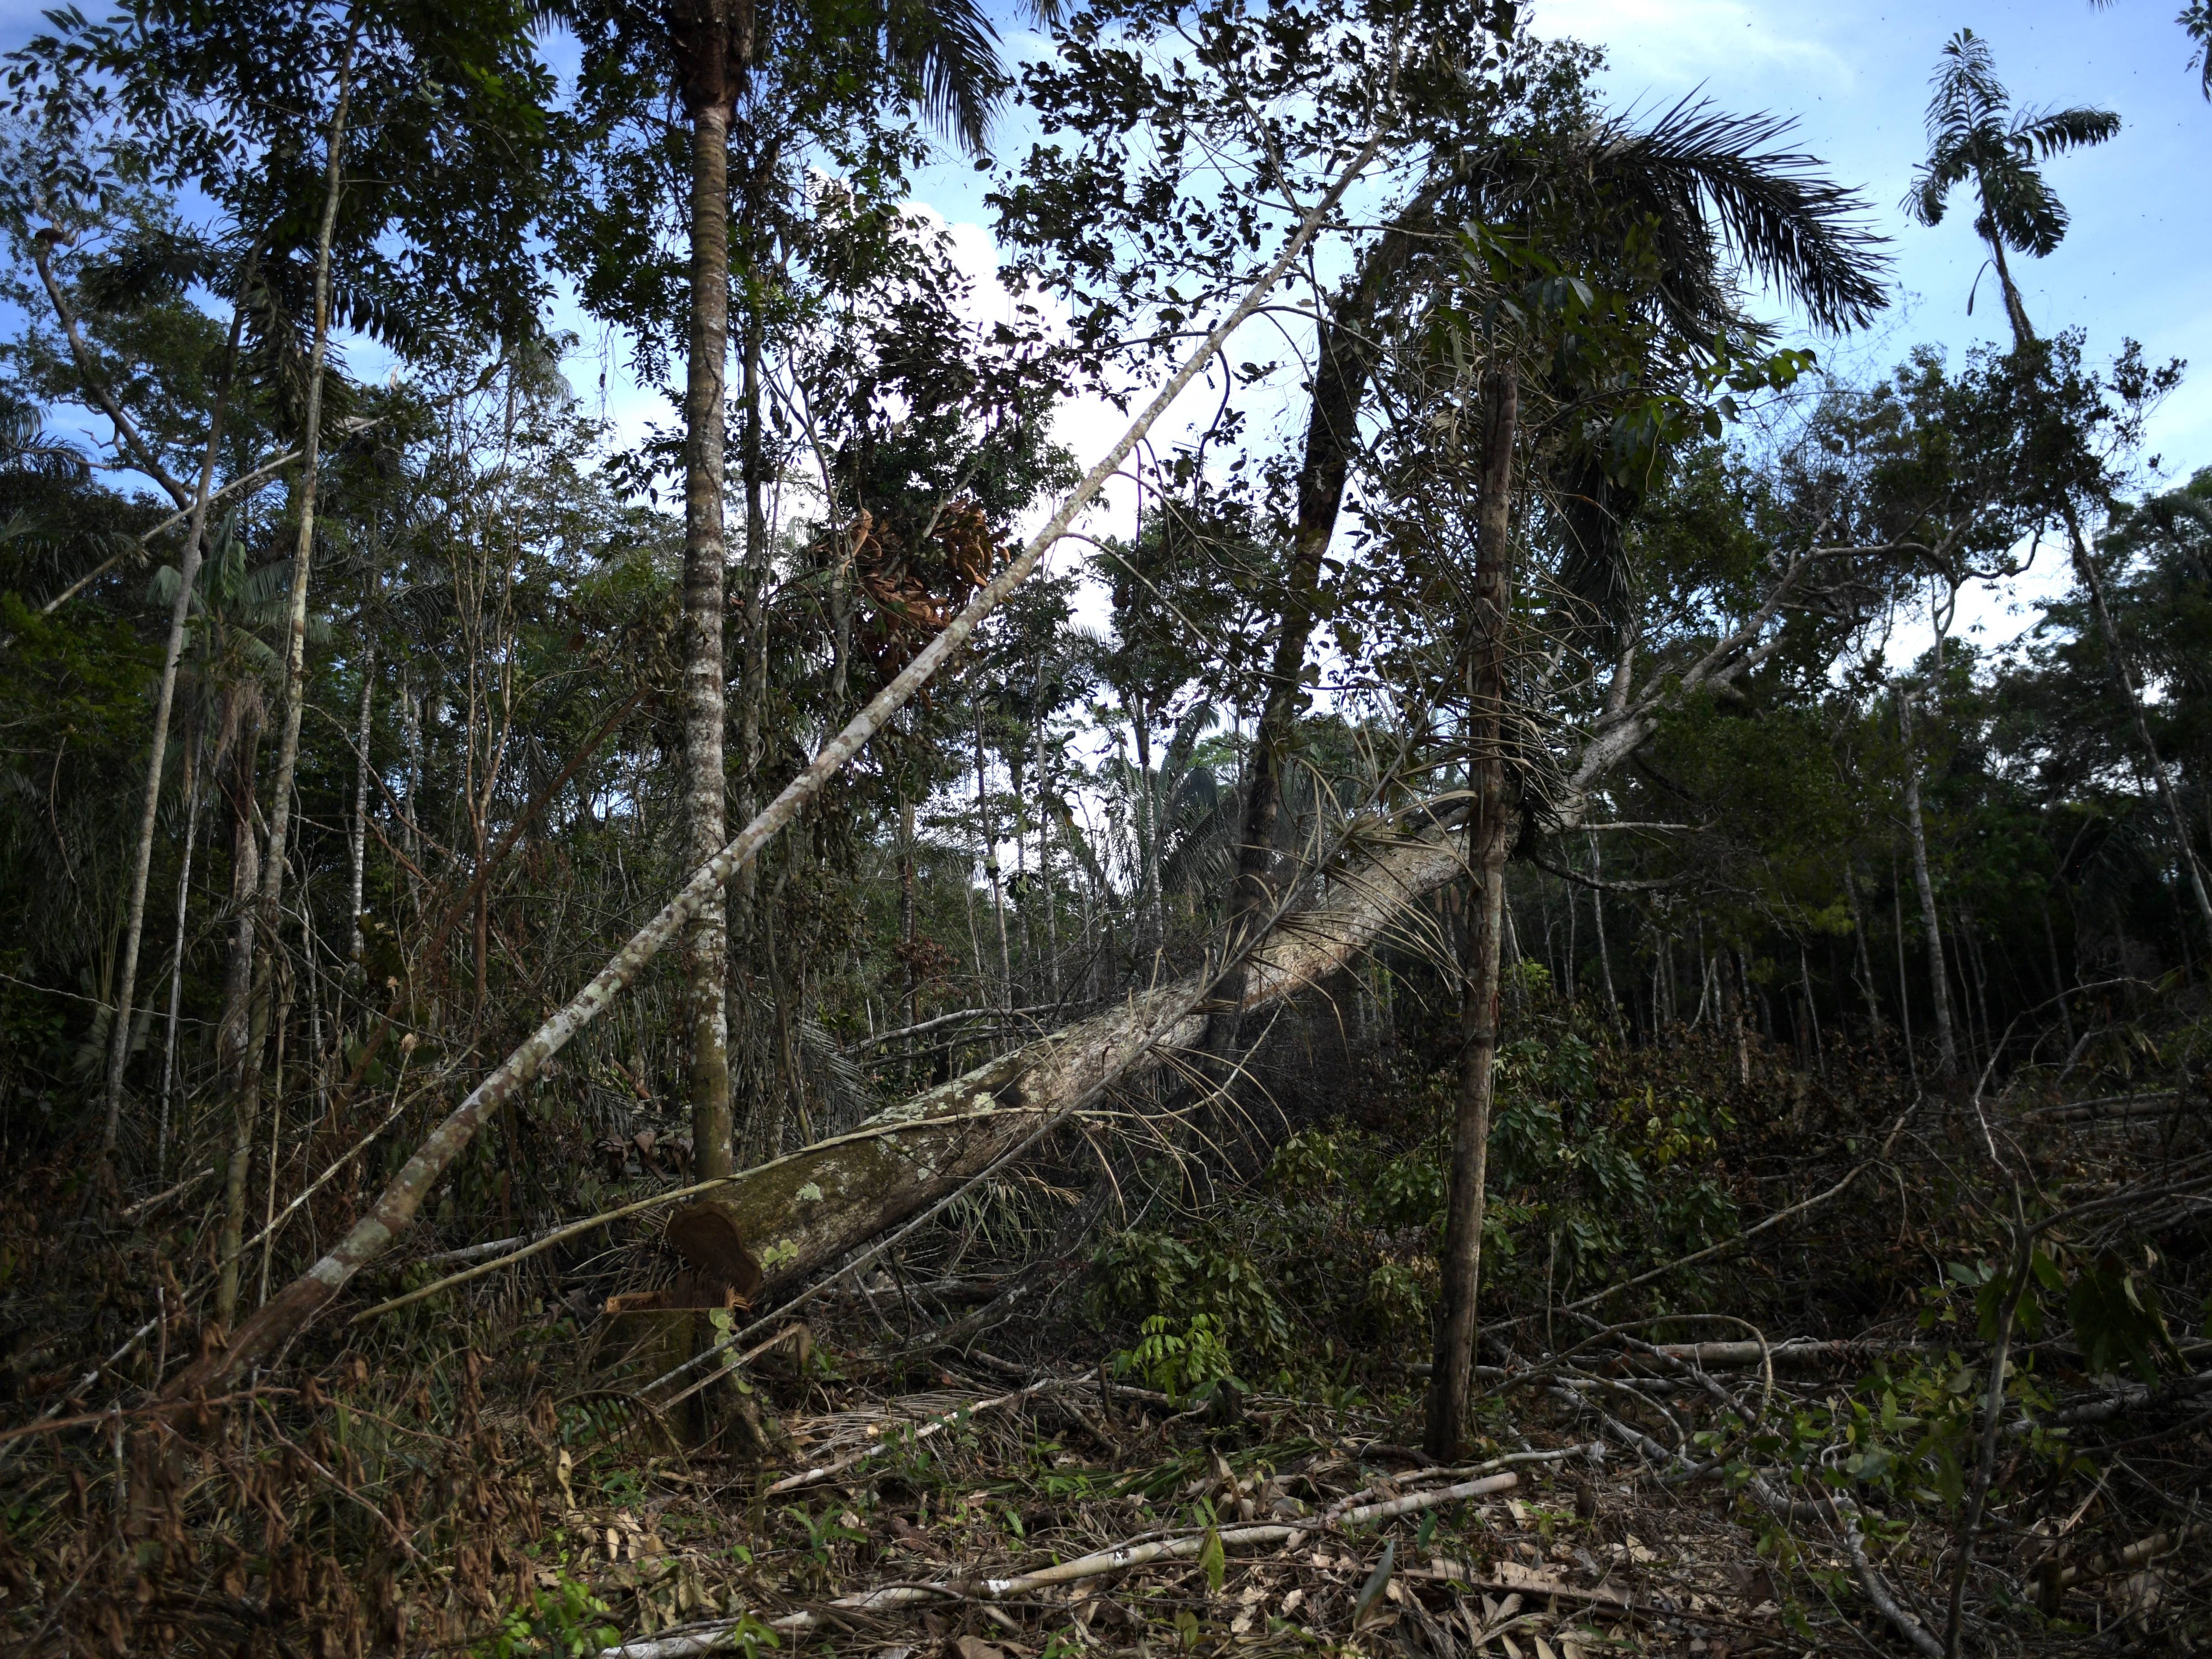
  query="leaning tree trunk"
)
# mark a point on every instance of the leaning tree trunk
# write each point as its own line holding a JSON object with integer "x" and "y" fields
{"x": 706, "y": 938}
{"x": 119, "y": 1048}
{"x": 1939, "y": 977}
{"x": 1344, "y": 360}
{"x": 269, "y": 906}
{"x": 403, "y": 1199}
{"x": 1490, "y": 835}
{"x": 2124, "y": 675}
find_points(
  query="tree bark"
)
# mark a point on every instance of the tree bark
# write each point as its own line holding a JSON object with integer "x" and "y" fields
{"x": 396, "y": 1209}
{"x": 706, "y": 939}
{"x": 240, "y": 750}
{"x": 1939, "y": 978}
{"x": 192, "y": 803}
{"x": 1490, "y": 836}
{"x": 269, "y": 907}
{"x": 358, "y": 845}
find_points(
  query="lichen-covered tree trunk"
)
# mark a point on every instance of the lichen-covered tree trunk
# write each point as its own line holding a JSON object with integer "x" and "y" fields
{"x": 804, "y": 1212}
{"x": 706, "y": 938}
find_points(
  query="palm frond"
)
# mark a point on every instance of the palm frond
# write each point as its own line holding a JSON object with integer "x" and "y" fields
{"x": 1932, "y": 181}
{"x": 2054, "y": 133}
{"x": 952, "y": 51}
{"x": 2022, "y": 211}
{"x": 1969, "y": 97}
{"x": 1775, "y": 209}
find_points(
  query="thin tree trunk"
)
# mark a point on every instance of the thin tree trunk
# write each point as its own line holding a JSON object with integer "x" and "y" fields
{"x": 1735, "y": 994}
{"x": 188, "y": 570}
{"x": 269, "y": 906}
{"x": 913, "y": 985}
{"x": 990, "y": 867}
{"x": 1865, "y": 953}
{"x": 241, "y": 751}
{"x": 2058, "y": 975}
{"x": 1597, "y": 915}
{"x": 706, "y": 935}
{"x": 1153, "y": 930}
{"x": 1044, "y": 845}
{"x": 357, "y": 845}
{"x": 193, "y": 794}
{"x": 1904, "y": 978}
{"x": 1939, "y": 979}
{"x": 285, "y": 984}
{"x": 1811, "y": 1013}
{"x": 1490, "y": 836}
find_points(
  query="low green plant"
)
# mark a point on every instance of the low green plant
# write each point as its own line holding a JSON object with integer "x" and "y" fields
{"x": 562, "y": 1621}
{"x": 1187, "y": 1365}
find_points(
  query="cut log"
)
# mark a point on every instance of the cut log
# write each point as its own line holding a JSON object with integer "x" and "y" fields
{"x": 708, "y": 1236}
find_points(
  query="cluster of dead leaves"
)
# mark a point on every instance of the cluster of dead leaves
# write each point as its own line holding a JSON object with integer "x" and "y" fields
{"x": 914, "y": 588}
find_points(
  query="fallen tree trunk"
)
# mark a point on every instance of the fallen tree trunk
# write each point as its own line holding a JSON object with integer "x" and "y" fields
{"x": 803, "y": 1212}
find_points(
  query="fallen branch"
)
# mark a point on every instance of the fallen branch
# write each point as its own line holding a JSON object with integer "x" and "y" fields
{"x": 1414, "y": 1502}
{"x": 1843, "y": 1514}
{"x": 2132, "y": 1397}
{"x": 2163, "y": 1103}
{"x": 954, "y": 1018}
{"x": 934, "y": 1427}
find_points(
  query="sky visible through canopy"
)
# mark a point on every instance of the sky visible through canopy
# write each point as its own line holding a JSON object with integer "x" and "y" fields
{"x": 1854, "y": 74}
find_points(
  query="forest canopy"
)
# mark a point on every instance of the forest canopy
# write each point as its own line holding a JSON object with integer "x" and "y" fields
{"x": 1341, "y": 835}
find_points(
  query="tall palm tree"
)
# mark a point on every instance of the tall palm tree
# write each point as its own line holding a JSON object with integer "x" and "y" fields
{"x": 946, "y": 51}
{"x": 1975, "y": 138}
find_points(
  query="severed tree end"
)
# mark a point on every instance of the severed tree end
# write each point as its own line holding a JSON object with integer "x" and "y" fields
{"x": 706, "y": 1236}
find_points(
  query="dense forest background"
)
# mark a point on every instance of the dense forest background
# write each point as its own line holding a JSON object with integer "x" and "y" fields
{"x": 1481, "y": 897}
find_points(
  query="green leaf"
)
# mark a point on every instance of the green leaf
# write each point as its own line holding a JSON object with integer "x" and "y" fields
{"x": 1212, "y": 1561}
{"x": 1377, "y": 1582}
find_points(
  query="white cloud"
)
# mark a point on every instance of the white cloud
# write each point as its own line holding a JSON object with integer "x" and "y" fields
{"x": 1680, "y": 41}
